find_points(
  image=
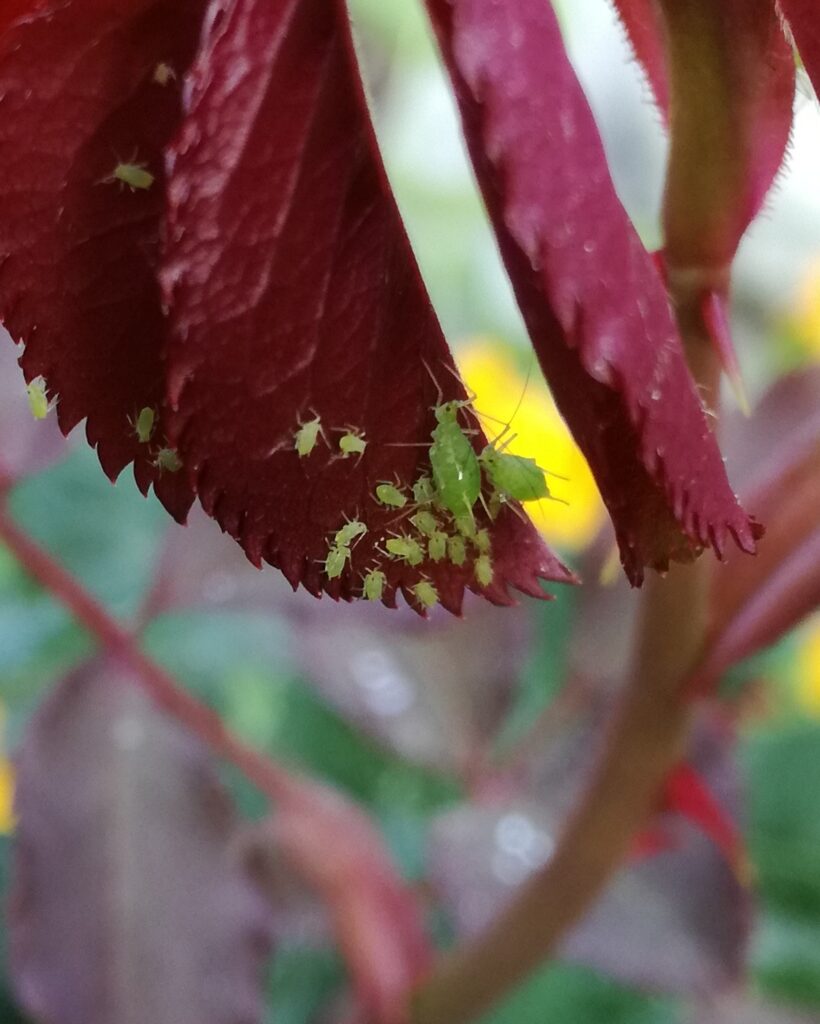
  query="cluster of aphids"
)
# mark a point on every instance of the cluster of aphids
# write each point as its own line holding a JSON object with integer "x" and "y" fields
{"x": 438, "y": 509}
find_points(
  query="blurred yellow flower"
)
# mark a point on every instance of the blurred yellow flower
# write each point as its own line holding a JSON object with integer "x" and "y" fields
{"x": 808, "y": 669}
{"x": 805, "y": 320}
{"x": 521, "y": 399}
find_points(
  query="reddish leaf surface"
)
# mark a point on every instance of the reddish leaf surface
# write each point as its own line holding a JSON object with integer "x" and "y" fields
{"x": 755, "y": 601}
{"x": 128, "y": 904}
{"x": 802, "y": 18}
{"x": 78, "y": 256}
{"x": 644, "y": 27}
{"x": 595, "y": 307}
{"x": 294, "y": 294}
{"x": 28, "y": 445}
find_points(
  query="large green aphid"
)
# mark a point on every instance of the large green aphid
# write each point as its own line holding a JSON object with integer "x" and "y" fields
{"x": 143, "y": 424}
{"x": 456, "y": 550}
{"x": 352, "y": 442}
{"x": 514, "y": 476}
{"x": 426, "y": 594}
{"x": 307, "y": 436}
{"x": 484, "y": 570}
{"x": 437, "y": 546}
{"x": 388, "y": 494}
{"x": 373, "y": 585}
{"x": 133, "y": 175}
{"x": 425, "y": 522}
{"x": 335, "y": 562}
{"x": 353, "y": 530}
{"x": 455, "y": 466}
{"x": 407, "y": 549}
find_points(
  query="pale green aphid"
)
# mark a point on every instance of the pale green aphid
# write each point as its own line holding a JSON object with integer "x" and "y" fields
{"x": 456, "y": 550}
{"x": 482, "y": 542}
{"x": 424, "y": 492}
{"x": 334, "y": 564}
{"x": 407, "y": 549}
{"x": 143, "y": 424}
{"x": 456, "y": 471}
{"x": 167, "y": 461}
{"x": 374, "y": 583}
{"x": 425, "y": 522}
{"x": 135, "y": 176}
{"x": 426, "y": 594}
{"x": 352, "y": 443}
{"x": 389, "y": 494}
{"x": 38, "y": 401}
{"x": 466, "y": 526}
{"x": 437, "y": 546}
{"x": 349, "y": 532}
{"x": 307, "y": 436}
{"x": 164, "y": 74}
{"x": 484, "y": 570}
{"x": 514, "y": 476}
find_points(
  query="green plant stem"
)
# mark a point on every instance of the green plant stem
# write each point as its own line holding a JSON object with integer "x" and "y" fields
{"x": 646, "y": 738}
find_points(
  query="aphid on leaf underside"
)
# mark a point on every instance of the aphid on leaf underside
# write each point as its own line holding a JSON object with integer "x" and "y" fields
{"x": 143, "y": 424}
{"x": 133, "y": 175}
{"x": 373, "y": 585}
{"x": 38, "y": 401}
{"x": 307, "y": 436}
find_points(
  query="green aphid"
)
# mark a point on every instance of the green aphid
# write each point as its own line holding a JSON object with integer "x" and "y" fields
{"x": 456, "y": 471}
{"x": 167, "y": 461}
{"x": 307, "y": 436}
{"x": 425, "y": 522}
{"x": 466, "y": 526}
{"x": 164, "y": 74}
{"x": 514, "y": 476}
{"x": 437, "y": 546}
{"x": 456, "y": 550}
{"x": 373, "y": 584}
{"x": 143, "y": 424}
{"x": 390, "y": 495}
{"x": 483, "y": 542}
{"x": 484, "y": 570}
{"x": 352, "y": 443}
{"x": 38, "y": 401}
{"x": 424, "y": 492}
{"x": 135, "y": 176}
{"x": 351, "y": 531}
{"x": 407, "y": 549}
{"x": 426, "y": 594}
{"x": 335, "y": 562}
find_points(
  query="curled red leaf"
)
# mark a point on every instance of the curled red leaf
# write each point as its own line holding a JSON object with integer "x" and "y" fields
{"x": 805, "y": 28}
{"x": 644, "y": 28}
{"x": 592, "y": 299}
{"x": 85, "y": 88}
{"x": 296, "y": 306}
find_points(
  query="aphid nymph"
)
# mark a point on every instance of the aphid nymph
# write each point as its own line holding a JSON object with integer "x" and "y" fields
{"x": 437, "y": 546}
{"x": 484, "y": 570}
{"x": 167, "y": 461}
{"x": 334, "y": 564}
{"x": 425, "y": 522}
{"x": 426, "y": 594}
{"x": 388, "y": 494}
{"x": 163, "y": 74}
{"x": 352, "y": 442}
{"x": 514, "y": 476}
{"x": 307, "y": 436}
{"x": 38, "y": 401}
{"x": 353, "y": 530}
{"x": 406, "y": 549}
{"x": 143, "y": 424}
{"x": 133, "y": 175}
{"x": 373, "y": 585}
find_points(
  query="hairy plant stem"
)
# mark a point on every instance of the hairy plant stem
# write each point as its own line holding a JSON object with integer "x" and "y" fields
{"x": 646, "y": 737}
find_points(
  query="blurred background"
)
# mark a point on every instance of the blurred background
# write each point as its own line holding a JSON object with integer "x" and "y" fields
{"x": 468, "y": 740}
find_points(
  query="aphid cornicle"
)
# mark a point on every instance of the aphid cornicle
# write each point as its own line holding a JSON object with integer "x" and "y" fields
{"x": 352, "y": 530}
{"x": 307, "y": 436}
{"x": 456, "y": 471}
{"x": 373, "y": 585}
{"x": 388, "y": 494}
{"x": 514, "y": 476}
{"x": 143, "y": 424}
{"x": 38, "y": 401}
{"x": 352, "y": 442}
{"x": 407, "y": 549}
{"x": 426, "y": 594}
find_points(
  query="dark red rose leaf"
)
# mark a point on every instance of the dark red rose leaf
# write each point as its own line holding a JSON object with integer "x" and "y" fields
{"x": 28, "y": 444}
{"x": 644, "y": 28}
{"x": 805, "y": 28}
{"x": 729, "y": 129}
{"x": 594, "y": 304}
{"x": 294, "y": 295}
{"x": 85, "y": 86}
{"x": 756, "y": 601}
{"x": 128, "y": 901}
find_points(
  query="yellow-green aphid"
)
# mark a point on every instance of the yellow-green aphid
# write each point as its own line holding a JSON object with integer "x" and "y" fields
{"x": 407, "y": 549}
{"x": 164, "y": 74}
{"x": 37, "y": 398}
{"x": 349, "y": 532}
{"x": 456, "y": 472}
{"x": 482, "y": 541}
{"x": 514, "y": 476}
{"x": 373, "y": 583}
{"x": 466, "y": 526}
{"x": 389, "y": 494}
{"x": 167, "y": 461}
{"x": 424, "y": 492}
{"x": 307, "y": 436}
{"x": 426, "y": 594}
{"x": 437, "y": 546}
{"x": 425, "y": 522}
{"x": 334, "y": 564}
{"x": 484, "y": 570}
{"x": 135, "y": 176}
{"x": 456, "y": 550}
{"x": 352, "y": 443}
{"x": 143, "y": 424}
